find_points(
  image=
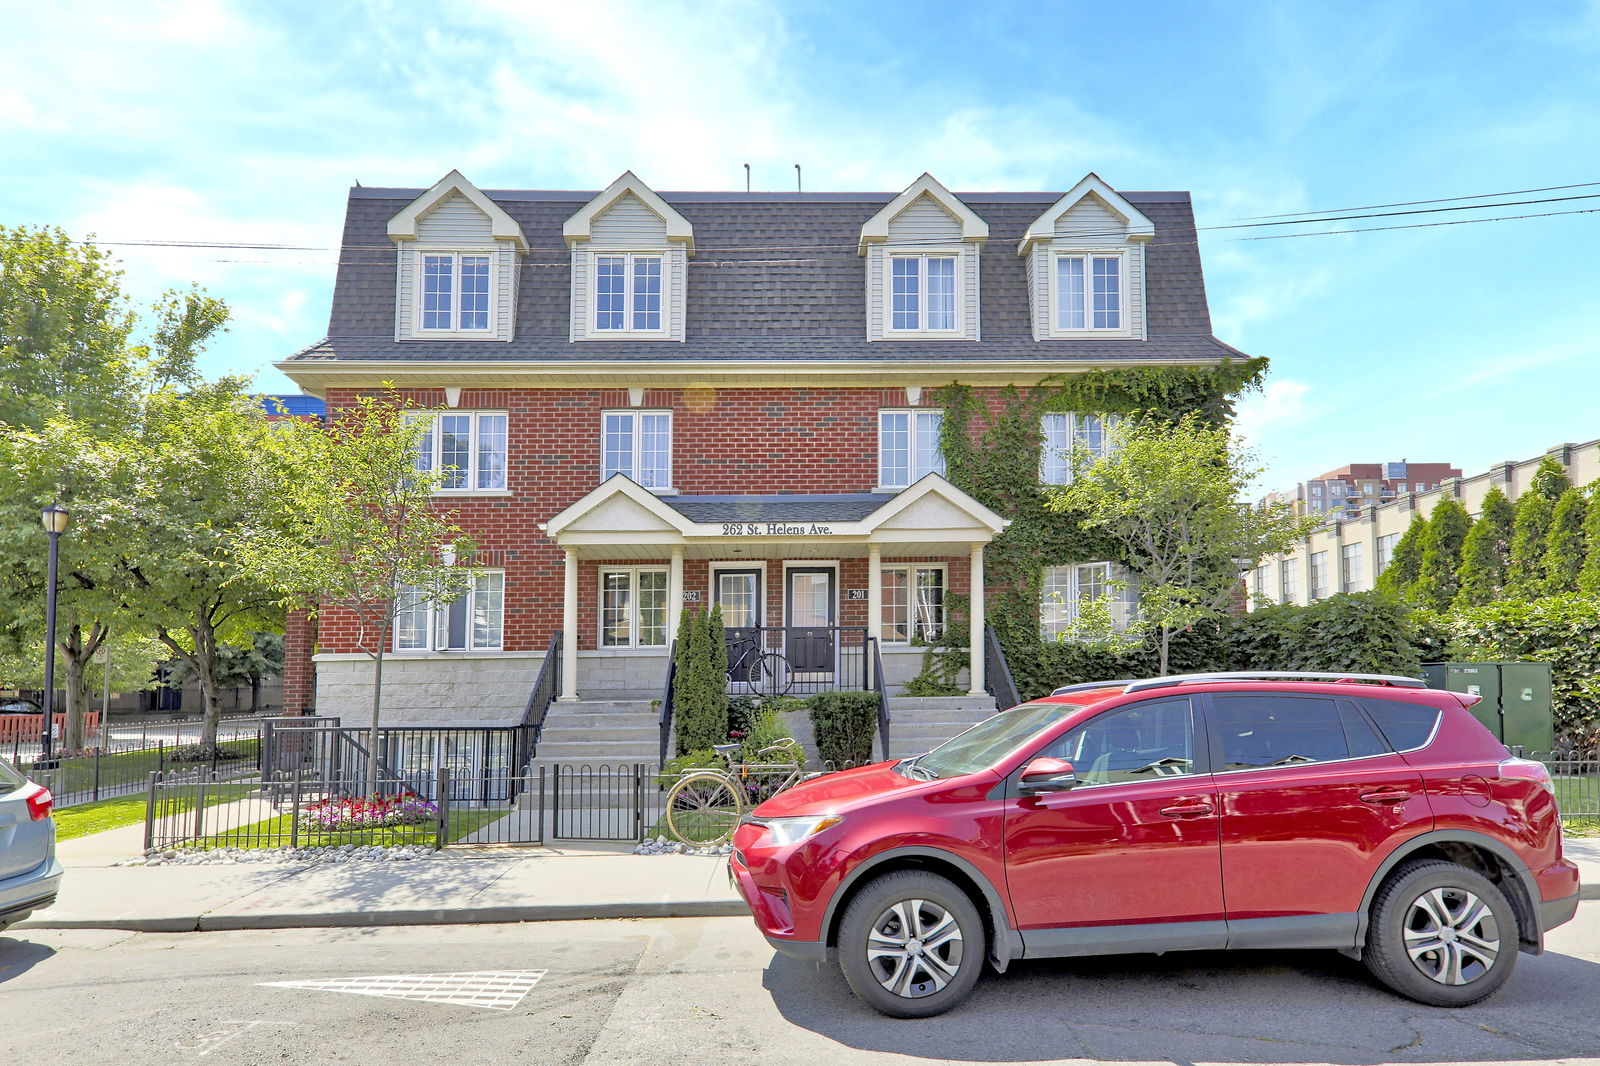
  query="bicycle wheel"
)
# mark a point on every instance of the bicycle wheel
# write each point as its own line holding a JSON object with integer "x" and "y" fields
{"x": 704, "y": 808}
{"x": 770, "y": 675}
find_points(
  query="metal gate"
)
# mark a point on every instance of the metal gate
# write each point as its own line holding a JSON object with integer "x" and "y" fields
{"x": 619, "y": 803}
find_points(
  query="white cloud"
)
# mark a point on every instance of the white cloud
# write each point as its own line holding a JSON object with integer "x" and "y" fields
{"x": 1279, "y": 407}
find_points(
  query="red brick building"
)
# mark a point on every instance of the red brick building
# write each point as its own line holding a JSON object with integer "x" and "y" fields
{"x": 648, "y": 400}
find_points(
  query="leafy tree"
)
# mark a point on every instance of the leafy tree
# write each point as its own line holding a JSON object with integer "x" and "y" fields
{"x": 353, "y": 525}
{"x": 700, "y": 693}
{"x": 1564, "y": 547}
{"x": 1550, "y": 479}
{"x": 1405, "y": 565}
{"x": 1589, "y": 577}
{"x": 239, "y": 664}
{"x": 1447, "y": 529}
{"x": 1525, "y": 575}
{"x": 1168, "y": 496}
{"x": 1484, "y": 554}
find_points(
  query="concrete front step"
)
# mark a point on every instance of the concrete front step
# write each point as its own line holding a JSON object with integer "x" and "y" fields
{"x": 599, "y": 731}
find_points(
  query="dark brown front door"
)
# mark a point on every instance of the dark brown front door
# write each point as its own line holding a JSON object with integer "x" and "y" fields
{"x": 810, "y": 612}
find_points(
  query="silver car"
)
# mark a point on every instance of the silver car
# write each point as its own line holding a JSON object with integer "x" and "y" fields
{"x": 30, "y": 873}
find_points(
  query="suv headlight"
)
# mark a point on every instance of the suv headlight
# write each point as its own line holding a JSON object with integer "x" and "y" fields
{"x": 786, "y": 831}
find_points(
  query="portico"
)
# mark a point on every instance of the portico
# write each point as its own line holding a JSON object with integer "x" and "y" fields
{"x": 782, "y": 561}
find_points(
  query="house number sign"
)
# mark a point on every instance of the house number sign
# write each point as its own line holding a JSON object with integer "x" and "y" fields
{"x": 775, "y": 529}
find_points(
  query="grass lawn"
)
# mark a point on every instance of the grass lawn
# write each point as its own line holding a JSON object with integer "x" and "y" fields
{"x": 274, "y": 832}
{"x": 1578, "y": 798}
{"x": 97, "y": 817}
{"x": 77, "y": 774}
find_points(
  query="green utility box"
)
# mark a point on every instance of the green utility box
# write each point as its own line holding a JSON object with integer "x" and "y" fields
{"x": 1515, "y": 698}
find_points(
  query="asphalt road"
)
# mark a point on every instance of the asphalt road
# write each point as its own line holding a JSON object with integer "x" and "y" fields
{"x": 709, "y": 991}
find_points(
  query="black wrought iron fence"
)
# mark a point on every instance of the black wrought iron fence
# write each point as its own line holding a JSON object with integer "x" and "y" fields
{"x": 101, "y": 774}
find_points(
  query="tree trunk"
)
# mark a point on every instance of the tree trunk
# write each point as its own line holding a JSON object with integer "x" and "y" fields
{"x": 205, "y": 662}
{"x": 255, "y": 695}
{"x": 377, "y": 703}
{"x": 74, "y": 661}
{"x": 1166, "y": 647}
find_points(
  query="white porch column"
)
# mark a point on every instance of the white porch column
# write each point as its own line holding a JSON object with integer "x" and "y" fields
{"x": 975, "y": 644}
{"x": 569, "y": 631}
{"x": 674, "y": 594}
{"x": 874, "y": 601}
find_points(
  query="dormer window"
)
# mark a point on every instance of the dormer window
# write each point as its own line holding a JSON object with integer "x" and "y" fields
{"x": 923, "y": 293}
{"x": 455, "y": 292}
{"x": 1088, "y": 291}
{"x": 627, "y": 293}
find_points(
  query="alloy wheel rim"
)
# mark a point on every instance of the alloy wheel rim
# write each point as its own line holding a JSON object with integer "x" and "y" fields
{"x": 1451, "y": 936}
{"x": 915, "y": 948}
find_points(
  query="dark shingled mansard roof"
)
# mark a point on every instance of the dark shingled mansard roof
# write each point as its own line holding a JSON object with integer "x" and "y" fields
{"x": 774, "y": 276}
{"x": 798, "y": 507}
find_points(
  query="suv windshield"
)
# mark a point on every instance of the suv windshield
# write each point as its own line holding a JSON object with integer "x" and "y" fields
{"x": 991, "y": 739}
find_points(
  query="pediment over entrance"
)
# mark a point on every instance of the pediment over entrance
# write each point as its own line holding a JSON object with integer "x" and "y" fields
{"x": 619, "y": 506}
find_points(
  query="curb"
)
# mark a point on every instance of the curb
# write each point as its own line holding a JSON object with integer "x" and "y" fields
{"x": 1588, "y": 892}
{"x": 556, "y": 912}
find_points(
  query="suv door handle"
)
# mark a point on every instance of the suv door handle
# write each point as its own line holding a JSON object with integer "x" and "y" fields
{"x": 1187, "y": 810}
{"x": 1386, "y": 795}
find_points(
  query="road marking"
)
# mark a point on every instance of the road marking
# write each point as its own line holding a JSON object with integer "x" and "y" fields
{"x": 488, "y": 989}
{"x": 206, "y": 1043}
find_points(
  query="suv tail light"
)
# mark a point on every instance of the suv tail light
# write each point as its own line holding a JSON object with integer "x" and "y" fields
{"x": 1528, "y": 770}
{"x": 1467, "y": 699}
{"x": 39, "y": 804}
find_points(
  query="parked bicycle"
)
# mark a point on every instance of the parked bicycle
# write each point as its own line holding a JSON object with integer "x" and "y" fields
{"x": 705, "y": 804}
{"x": 761, "y": 672}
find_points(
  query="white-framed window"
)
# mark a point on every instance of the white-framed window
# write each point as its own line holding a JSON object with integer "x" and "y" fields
{"x": 1288, "y": 581}
{"x": 913, "y": 603}
{"x": 455, "y": 293}
{"x": 1351, "y": 558}
{"x": 1263, "y": 583}
{"x": 467, "y": 447}
{"x": 1385, "y": 552}
{"x": 1066, "y": 587}
{"x": 1319, "y": 576}
{"x": 1064, "y": 432}
{"x": 1316, "y": 489}
{"x": 629, "y": 293}
{"x": 1088, "y": 290}
{"x": 471, "y": 622}
{"x": 633, "y": 607}
{"x": 908, "y": 446}
{"x": 638, "y": 444}
{"x": 922, "y": 294}
{"x": 1401, "y": 487}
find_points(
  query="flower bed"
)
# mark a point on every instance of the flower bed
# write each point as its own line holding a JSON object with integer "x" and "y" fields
{"x": 380, "y": 812}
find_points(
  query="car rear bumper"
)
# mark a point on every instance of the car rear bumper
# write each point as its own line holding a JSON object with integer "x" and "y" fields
{"x": 25, "y": 893}
{"x": 1554, "y": 912}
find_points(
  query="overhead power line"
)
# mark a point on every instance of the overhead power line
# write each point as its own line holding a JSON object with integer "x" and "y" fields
{"x": 1415, "y": 203}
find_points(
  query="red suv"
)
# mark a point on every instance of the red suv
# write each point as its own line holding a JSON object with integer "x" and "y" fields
{"x": 1364, "y": 814}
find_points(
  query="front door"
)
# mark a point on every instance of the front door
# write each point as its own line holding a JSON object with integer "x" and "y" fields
{"x": 809, "y": 612}
{"x": 1135, "y": 843}
{"x": 738, "y": 592}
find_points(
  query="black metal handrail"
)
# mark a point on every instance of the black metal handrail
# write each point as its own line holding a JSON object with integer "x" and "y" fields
{"x": 997, "y": 680}
{"x": 664, "y": 722}
{"x": 546, "y": 686}
{"x": 883, "y": 697}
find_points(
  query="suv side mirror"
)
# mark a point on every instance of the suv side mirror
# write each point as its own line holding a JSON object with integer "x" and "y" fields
{"x": 1044, "y": 775}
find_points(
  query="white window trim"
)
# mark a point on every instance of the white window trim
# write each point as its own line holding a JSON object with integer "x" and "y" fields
{"x": 593, "y": 328}
{"x": 1125, "y": 302}
{"x": 1108, "y": 420}
{"x": 1069, "y": 602}
{"x": 633, "y": 412}
{"x": 958, "y": 281}
{"x": 912, "y": 477}
{"x": 431, "y": 627}
{"x": 883, "y": 606}
{"x": 419, "y": 281}
{"x": 437, "y": 437}
{"x": 633, "y": 573}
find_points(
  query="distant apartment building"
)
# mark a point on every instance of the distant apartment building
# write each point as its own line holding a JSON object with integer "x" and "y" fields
{"x": 1351, "y": 490}
{"x": 1356, "y": 542}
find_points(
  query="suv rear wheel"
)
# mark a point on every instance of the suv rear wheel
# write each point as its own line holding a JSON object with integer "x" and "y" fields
{"x": 1441, "y": 934}
{"x": 911, "y": 944}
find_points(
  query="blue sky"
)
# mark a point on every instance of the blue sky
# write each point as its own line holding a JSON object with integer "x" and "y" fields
{"x": 220, "y": 122}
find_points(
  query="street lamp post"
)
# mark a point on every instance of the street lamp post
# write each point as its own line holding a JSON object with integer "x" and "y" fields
{"x": 55, "y": 524}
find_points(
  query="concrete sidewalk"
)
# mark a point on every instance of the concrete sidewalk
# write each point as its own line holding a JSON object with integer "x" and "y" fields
{"x": 460, "y": 886}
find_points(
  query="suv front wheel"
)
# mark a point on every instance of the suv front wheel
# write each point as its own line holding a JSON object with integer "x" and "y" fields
{"x": 911, "y": 944}
{"x": 1441, "y": 934}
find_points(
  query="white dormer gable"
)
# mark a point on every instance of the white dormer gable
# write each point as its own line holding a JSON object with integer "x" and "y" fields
{"x": 1086, "y": 265}
{"x": 456, "y": 265}
{"x": 630, "y": 252}
{"x": 922, "y": 253}
{"x": 410, "y": 224}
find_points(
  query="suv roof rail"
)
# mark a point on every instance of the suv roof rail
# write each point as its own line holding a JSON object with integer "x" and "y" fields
{"x": 1085, "y": 686}
{"x": 1395, "y": 680}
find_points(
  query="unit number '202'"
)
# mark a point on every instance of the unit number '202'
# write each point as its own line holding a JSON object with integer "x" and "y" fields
{"x": 740, "y": 529}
